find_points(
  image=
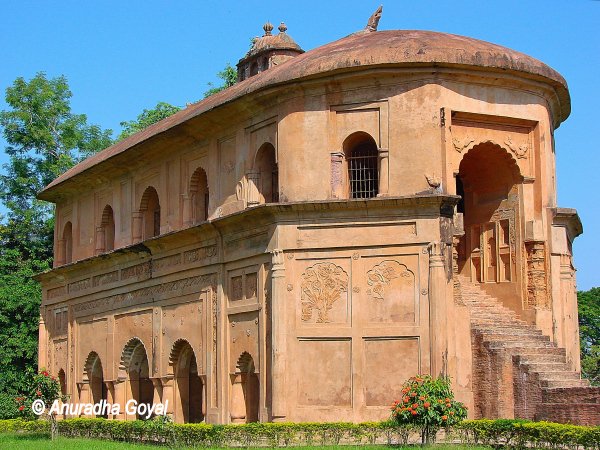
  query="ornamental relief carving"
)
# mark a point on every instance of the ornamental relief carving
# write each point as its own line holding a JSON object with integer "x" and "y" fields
{"x": 322, "y": 285}
{"x": 380, "y": 276}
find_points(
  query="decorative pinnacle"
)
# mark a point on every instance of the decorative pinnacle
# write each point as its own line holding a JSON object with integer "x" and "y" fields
{"x": 282, "y": 27}
{"x": 374, "y": 20}
{"x": 268, "y": 27}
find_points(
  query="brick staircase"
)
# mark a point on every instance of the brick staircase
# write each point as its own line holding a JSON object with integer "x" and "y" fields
{"x": 518, "y": 371}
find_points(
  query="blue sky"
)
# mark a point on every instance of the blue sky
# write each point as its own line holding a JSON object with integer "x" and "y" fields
{"x": 123, "y": 56}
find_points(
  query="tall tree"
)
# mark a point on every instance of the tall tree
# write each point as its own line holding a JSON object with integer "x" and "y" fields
{"x": 229, "y": 77}
{"x": 589, "y": 332}
{"x": 147, "y": 118}
{"x": 44, "y": 139}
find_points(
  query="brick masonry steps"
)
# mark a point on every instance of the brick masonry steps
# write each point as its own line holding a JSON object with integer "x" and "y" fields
{"x": 553, "y": 390}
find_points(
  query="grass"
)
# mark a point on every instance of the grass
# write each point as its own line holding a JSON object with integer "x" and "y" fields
{"x": 43, "y": 442}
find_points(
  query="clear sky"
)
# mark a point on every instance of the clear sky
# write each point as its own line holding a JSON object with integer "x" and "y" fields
{"x": 123, "y": 56}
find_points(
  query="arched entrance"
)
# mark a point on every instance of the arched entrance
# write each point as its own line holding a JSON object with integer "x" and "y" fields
{"x": 489, "y": 253}
{"x": 94, "y": 375}
{"x": 134, "y": 362}
{"x": 188, "y": 386}
{"x": 244, "y": 391}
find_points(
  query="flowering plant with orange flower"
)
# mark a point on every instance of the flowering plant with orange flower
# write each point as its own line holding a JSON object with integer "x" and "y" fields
{"x": 428, "y": 403}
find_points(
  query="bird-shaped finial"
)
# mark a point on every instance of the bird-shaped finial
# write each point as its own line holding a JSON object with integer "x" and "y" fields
{"x": 374, "y": 20}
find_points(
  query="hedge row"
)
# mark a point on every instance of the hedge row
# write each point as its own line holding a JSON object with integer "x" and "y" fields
{"x": 523, "y": 433}
{"x": 517, "y": 434}
{"x": 200, "y": 434}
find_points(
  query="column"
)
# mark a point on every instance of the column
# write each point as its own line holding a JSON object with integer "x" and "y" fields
{"x": 384, "y": 172}
{"x": 100, "y": 240}
{"x": 438, "y": 327}
{"x": 253, "y": 188}
{"x": 120, "y": 397}
{"x": 136, "y": 227}
{"x": 187, "y": 211}
{"x": 278, "y": 341}
{"x": 110, "y": 397}
{"x": 337, "y": 175}
{"x": 60, "y": 253}
{"x": 167, "y": 397}
{"x": 43, "y": 344}
{"x": 237, "y": 409}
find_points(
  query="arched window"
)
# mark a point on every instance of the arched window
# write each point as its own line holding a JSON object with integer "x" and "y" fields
{"x": 361, "y": 154}
{"x": 268, "y": 175}
{"x": 67, "y": 243}
{"x": 105, "y": 233}
{"x": 150, "y": 210}
{"x": 198, "y": 196}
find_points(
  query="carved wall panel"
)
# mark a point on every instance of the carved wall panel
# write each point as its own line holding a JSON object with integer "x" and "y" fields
{"x": 183, "y": 321}
{"x": 92, "y": 337}
{"x": 243, "y": 337}
{"x": 387, "y": 364}
{"x": 325, "y": 376}
{"x": 135, "y": 324}
{"x": 59, "y": 361}
{"x": 243, "y": 286}
{"x": 537, "y": 277}
{"x": 227, "y": 169}
{"x": 391, "y": 292}
{"x": 324, "y": 294}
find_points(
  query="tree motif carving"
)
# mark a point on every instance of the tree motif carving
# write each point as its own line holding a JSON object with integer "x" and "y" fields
{"x": 381, "y": 276}
{"x": 322, "y": 285}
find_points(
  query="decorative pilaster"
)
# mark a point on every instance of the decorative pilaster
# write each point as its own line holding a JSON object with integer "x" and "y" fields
{"x": 437, "y": 309}
{"x": 384, "y": 171}
{"x": 158, "y": 390}
{"x": 537, "y": 294}
{"x": 278, "y": 343}
{"x": 337, "y": 175}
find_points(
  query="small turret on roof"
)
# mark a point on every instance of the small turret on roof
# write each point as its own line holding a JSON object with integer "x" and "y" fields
{"x": 268, "y": 51}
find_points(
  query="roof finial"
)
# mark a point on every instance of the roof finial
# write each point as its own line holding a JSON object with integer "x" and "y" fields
{"x": 268, "y": 27}
{"x": 374, "y": 20}
{"x": 282, "y": 27}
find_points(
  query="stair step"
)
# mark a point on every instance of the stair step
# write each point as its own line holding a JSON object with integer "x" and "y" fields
{"x": 503, "y": 330}
{"x": 563, "y": 383}
{"x": 516, "y": 346}
{"x": 490, "y": 336}
{"x": 558, "y": 376}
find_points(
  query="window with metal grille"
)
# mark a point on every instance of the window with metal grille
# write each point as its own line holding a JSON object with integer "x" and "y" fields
{"x": 363, "y": 172}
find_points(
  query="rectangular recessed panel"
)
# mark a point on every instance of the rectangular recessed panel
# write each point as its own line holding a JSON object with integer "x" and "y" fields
{"x": 388, "y": 363}
{"x": 324, "y": 372}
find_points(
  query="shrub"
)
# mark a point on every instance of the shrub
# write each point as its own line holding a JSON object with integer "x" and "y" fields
{"x": 428, "y": 404}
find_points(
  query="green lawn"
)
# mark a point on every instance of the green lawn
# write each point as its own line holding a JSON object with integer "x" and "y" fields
{"x": 43, "y": 442}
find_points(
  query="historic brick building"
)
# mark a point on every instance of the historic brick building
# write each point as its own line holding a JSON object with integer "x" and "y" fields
{"x": 296, "y": 246}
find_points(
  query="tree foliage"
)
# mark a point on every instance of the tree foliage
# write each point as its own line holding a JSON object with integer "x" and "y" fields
{"x": 148, "y": 117}
{"x": 229, "y": 77}
{"x": 44, "y": 139}
{"x": 589, "y": 333}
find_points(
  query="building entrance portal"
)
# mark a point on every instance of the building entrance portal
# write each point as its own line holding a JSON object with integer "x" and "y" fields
{"x": 135, "y": 363}
{"x": 189, "y": 389}
{"x": 488, "y": 181}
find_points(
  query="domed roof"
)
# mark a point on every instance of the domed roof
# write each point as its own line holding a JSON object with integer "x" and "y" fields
{"x": 269, "y": 41}
{"x": 359, "y": 51}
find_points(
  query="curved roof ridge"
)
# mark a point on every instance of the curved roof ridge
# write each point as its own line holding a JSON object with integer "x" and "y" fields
{"x": 393, "y": 48}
